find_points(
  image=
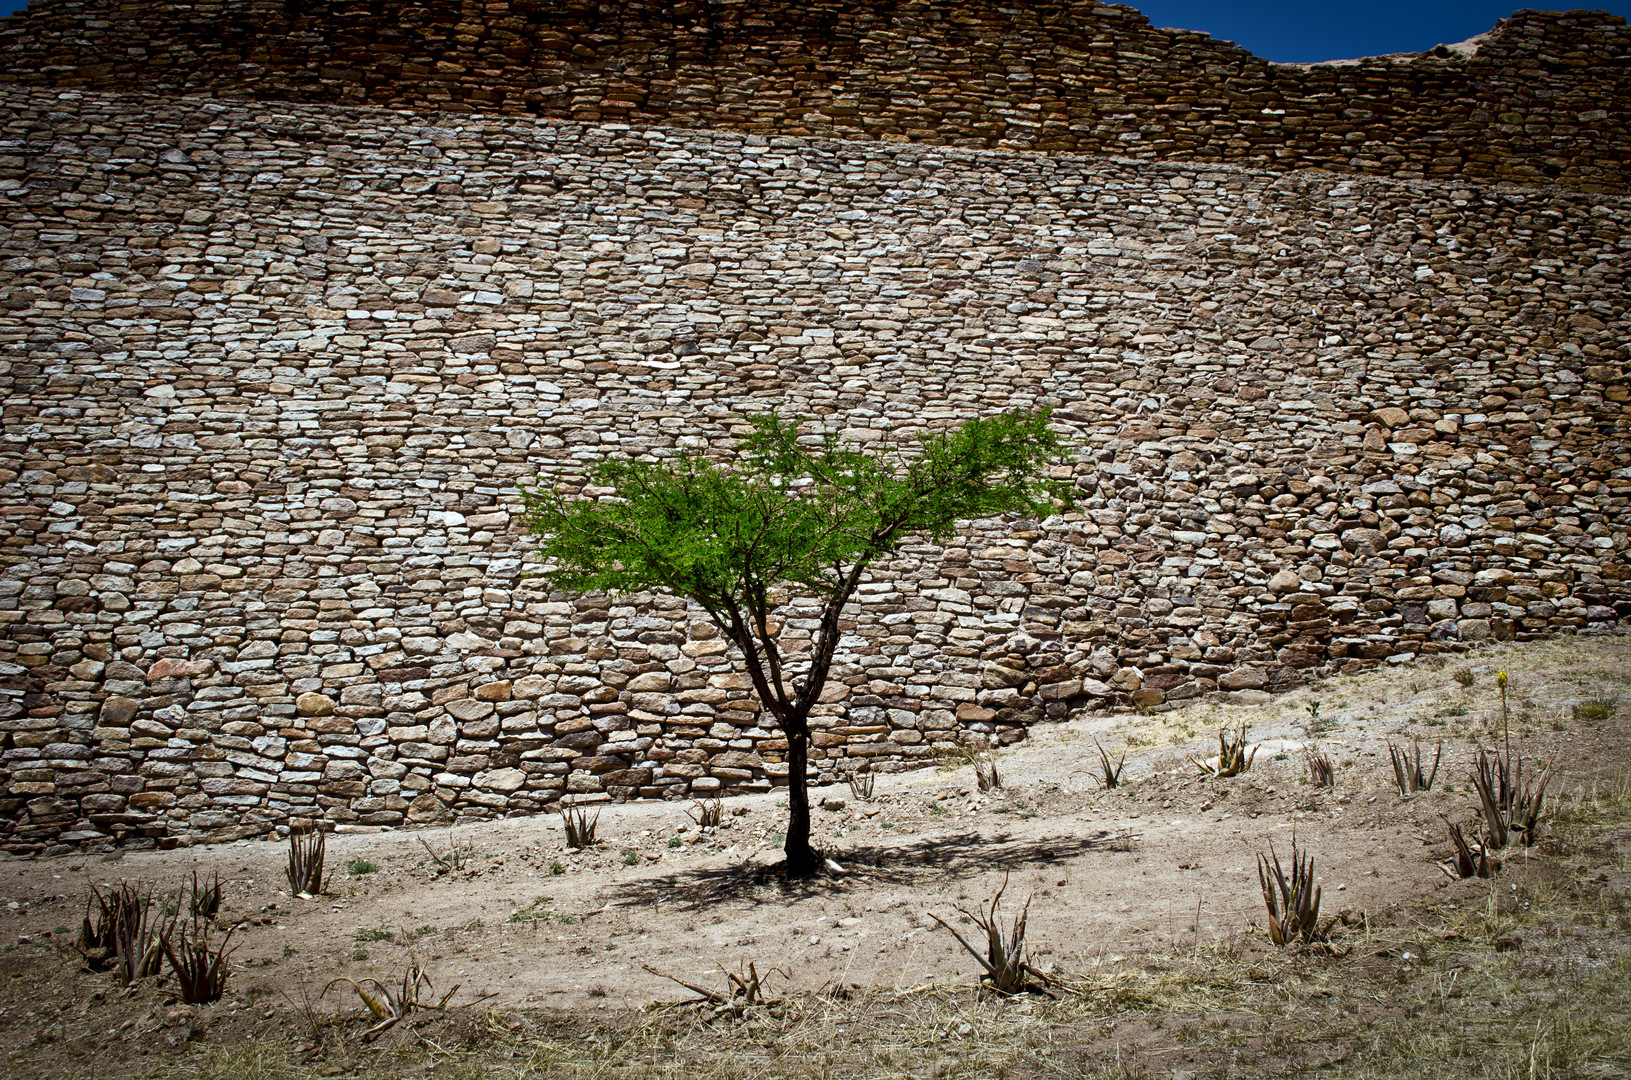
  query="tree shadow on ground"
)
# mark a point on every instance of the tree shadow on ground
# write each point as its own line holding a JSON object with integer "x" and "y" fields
{"x": 939, "y": 858}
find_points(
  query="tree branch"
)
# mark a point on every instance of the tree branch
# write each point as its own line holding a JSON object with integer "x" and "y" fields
{"x": 759, "y": 607}
{"x": 779, "y": 707}
{"x": 827, "y": 639}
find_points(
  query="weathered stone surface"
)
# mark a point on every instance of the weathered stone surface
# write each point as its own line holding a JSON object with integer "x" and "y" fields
{"x": 503, "y": 781}
{"x": 1250, "y": 678}
{"x": 494, "y": 691}
{"x": 1392, "y": 416}
{"x": 998, "y": 676}
{"x": 299, "y": 347}
{"x": 178, "y": 669}
{"x": 118, "y": 711}
{"x": 1059, "y": 691}
{"x": 470, "y": 709}
{"x": 314, "y": 704}
{"x": 1286, "y": 581}
{"x": 1127, "y": 678}
{"x": 1536, "y": 100}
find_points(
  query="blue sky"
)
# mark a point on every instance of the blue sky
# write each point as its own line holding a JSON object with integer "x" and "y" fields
{"x": 1299, "y": 31}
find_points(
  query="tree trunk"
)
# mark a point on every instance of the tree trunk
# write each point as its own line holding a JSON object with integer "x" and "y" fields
{"x": 801, "y": 857}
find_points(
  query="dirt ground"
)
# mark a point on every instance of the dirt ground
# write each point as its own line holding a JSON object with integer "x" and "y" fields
{"x": 1145, "y": 906}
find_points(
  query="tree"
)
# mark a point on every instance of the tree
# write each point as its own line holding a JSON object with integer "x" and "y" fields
{"x": 792, "y": 516}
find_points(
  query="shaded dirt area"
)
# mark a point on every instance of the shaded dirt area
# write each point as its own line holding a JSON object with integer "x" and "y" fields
{"x": 1145, "y": 907}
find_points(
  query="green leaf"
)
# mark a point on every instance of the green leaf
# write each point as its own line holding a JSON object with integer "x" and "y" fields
{"x": 792, "y": 515}
{"x": 792, "y": 511}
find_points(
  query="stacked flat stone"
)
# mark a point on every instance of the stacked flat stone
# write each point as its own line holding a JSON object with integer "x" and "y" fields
{"x": 274, "y": 372}
{"x": 1543, "y": 96}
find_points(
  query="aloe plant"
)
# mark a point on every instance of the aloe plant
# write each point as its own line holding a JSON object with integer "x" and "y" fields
{"x": 1112, "y": 773}
{"x": 1293, "y": 904}
{"x": 1007, "y": 970}
{"x": 707, "y": 813}
{"x": 205, "y": 900}
{"x": 1407, "y": 770}
{"x": 1511, "y": 807}
{"x": 1234, "y": 757}
{"x": 1320, "y": 771}
{"x": 305, "y": 869}
{"x": 580, "y": 827}
{"x": 986, "y": 777}
{"x": 1472, "y": 858}
{"x": 125, "y": 935}
{"x": 200, "y": 971}
{"x": 389, "y": 1006}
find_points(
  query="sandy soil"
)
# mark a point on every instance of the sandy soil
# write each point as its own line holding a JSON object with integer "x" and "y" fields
{"x": 1165, "y": 859}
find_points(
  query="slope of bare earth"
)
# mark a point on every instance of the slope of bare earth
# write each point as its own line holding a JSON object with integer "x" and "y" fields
{"x": 1145, "y": 908}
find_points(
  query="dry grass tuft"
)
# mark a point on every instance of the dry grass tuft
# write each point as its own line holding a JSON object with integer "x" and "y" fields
{"x": 1595, "y": 710}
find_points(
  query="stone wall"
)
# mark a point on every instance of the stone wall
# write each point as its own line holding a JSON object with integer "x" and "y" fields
{"x": 1543, "y": 96}
{"x": 272, "y": 374}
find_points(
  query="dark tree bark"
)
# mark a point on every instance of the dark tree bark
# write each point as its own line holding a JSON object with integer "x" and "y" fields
{"x": 802, "y": 860}
{"x": 749, "y": 631}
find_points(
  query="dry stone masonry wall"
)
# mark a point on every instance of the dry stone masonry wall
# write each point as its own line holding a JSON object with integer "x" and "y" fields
{"x": 1543, "y": 96}
{"x": 273, "y": 372}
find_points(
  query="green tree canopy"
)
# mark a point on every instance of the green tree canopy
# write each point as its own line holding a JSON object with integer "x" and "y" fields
{"x": 793, "y": 515}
